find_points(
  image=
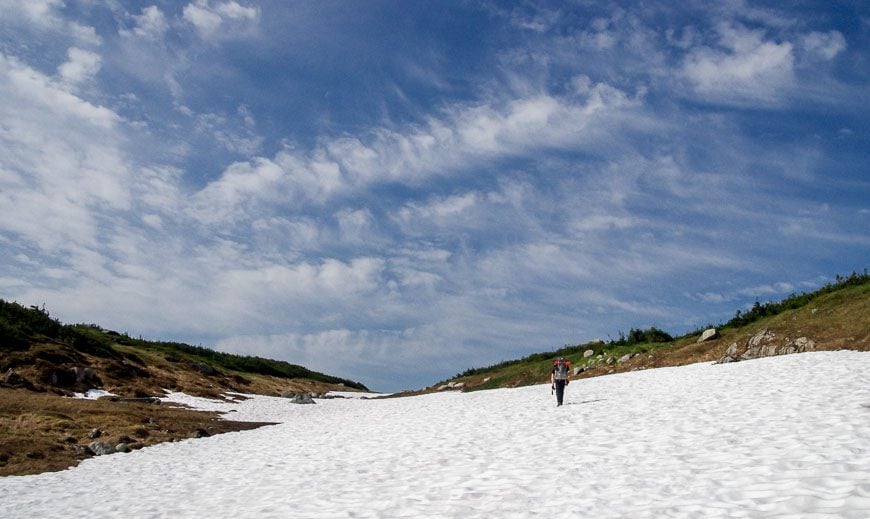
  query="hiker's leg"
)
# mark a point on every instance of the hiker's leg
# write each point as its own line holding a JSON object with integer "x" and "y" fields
{"x": 560, "y": 391}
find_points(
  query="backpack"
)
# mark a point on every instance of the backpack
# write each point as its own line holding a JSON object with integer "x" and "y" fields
{"x": 560, "y": 372}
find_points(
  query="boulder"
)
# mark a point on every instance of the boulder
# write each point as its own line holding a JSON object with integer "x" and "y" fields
{"x": 101, "y": 448}
{"x": 12, "y": 379}
{"x": 709, "y": 334}
{"x": 803, "y": 344}
{"x": 588, "y": 353}
{"x": 302, "y": 398}
{"x": 624, "y": 358}
{"x": 95, "y": 433}
{"x": 765, "y": 344}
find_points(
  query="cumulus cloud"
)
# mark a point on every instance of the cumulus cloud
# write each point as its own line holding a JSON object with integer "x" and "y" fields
{"x": 745, "y": 67}
{"x": 225, "y": 19}
{"x": 823, "y": 45}
{"x": 82, "y": 65}
{"x": 150, "y": 24}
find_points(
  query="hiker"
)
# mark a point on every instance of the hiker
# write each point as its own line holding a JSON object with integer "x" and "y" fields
{"x": 559, "y": 378}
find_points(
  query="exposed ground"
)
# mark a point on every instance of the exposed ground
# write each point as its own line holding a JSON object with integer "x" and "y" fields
{"x": 834, "y": 321}
{"x": 43, "y": 429}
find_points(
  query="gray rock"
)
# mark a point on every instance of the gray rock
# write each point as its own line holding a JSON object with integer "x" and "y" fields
{"x": 588, "y": 353}
{"x": 95, "y": 433}
{"x": 302, "y": 398}
{"x": 101, "y": 448}
{"x": 83, "y": 374}
{"x": 765, "y": 344}
{"x": 122, "y": 447}
{"x": 732, "y": 350}
{"x": 709, "y": 334}
{"x": 12, "y": 379}
{"x": 578, "y": 370}
{"x": 764, "y": 336}
{"x": 83, "y": 450}
{"x": 803, "y": 344}
{"x": 624, "y": 358}
{"x": 444, "y": 387}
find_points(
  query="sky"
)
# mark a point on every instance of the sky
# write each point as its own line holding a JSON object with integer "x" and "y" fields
{"x": 397, "y": 191}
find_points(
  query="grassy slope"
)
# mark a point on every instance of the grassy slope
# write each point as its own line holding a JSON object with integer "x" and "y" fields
{"x": 40, "y": 429}
{"x": 34, "y": 344}
{"x": 835, "y": 318}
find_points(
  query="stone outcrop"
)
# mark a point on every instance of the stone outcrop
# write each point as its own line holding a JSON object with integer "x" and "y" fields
{"x": 765, "y": 343}
{"x": 708, "y": 335}
{"x": 451, "y": 385}
{"x": 300, "y": 398}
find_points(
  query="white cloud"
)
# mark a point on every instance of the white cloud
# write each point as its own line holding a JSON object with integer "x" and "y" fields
{"x": 219, "y": 20}
{"x": 824, "y": 45}
{"x": 46, "y": 15}
{"x": 746, "y": 68}
{"x": 36, "y": 11}
{"x": 62, "y": 158}
{"x": 150, "y": 24}
{"x": 82, "y": 65}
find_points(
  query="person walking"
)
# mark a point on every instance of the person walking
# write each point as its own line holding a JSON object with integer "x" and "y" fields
{"x": 559, "y": 378}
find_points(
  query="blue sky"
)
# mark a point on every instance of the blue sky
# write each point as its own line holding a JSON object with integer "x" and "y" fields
{"x": 395, "y": 192}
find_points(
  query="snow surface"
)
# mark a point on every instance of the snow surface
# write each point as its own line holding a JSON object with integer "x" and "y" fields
{"x": 93, "y": 394}
{"x": 778, "y": 437}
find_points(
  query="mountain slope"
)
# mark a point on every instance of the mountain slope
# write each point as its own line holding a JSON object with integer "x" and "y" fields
{"x": 46, "y": 355}
{"x": 834, "y": 317}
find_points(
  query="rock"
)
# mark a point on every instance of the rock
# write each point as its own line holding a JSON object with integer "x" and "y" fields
{"x": 83, "y": 450}
{"x": 459, "y": 385}
{"x": 201, "y": 433}
{"x": 487, "y": 379}
{"x": 764, "y": 344}
{"x": 83, "y": 374}
{"x": 101, "y": 448}
{"x": 12, "y": 379}
{"x": 122, "y": 447}
{"x": 302, "y": 398}
{"x": 204, "y": 368}
{"x": 578, "y": 370}
{"x": 444, "y": 387}
{"x": 709, "y": 334}
{"x": 95, "y": 433}
{"x": 803, "y": 344}
{"x": 624, "y": 358}
{"x": 588, "y": 353}
{"x": 764, "y": 336}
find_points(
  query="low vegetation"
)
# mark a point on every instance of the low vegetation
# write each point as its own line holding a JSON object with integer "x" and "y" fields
{"x": 42, "y": 362}
{"x": 21, "y": 328}
{"x": 836, "y": 316}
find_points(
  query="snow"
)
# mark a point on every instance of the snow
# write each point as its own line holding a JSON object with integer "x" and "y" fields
{"x": 93, "y": 394}
{"x": 777, "y": 437}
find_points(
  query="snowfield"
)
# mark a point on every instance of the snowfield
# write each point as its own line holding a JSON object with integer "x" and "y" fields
{"x": 777, "y": 437}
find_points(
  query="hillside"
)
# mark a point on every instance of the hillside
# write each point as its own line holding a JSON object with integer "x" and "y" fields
{"x": 834, "y": 317}
{"x": 46, "y": 355}
{"x": 42, "y": 362}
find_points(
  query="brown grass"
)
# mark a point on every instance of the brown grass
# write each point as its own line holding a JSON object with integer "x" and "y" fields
{"x": 39, "y": 431}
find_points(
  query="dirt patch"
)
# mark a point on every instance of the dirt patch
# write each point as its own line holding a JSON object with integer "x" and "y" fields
{"x": 44, "y": 432}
